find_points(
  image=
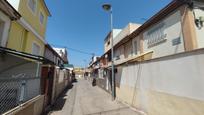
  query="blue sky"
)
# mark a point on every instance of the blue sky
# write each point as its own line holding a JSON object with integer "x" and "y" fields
{"x": 83, "y": 25}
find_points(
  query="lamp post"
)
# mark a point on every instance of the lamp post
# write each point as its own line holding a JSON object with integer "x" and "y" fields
{"x": 108, "y": 8}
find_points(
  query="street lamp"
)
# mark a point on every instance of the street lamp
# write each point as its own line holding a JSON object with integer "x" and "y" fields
{"x": 108, "y": 8}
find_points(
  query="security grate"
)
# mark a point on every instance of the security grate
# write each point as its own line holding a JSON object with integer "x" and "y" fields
{"x": 15, "y": 91}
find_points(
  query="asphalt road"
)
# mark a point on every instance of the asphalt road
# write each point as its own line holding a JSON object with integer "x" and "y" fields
{"x": 83, "y": 99}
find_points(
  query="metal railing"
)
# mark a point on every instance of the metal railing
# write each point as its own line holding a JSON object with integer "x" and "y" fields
{"x": 15, "y": 91}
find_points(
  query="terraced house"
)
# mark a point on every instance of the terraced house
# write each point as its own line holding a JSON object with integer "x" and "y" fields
{"x": 22, "y": 43}
{"x": 152, "y": 61}
{"x": 28, "y": 34}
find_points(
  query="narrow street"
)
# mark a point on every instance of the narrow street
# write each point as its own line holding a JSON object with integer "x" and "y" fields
{"x": 83, "y": 99}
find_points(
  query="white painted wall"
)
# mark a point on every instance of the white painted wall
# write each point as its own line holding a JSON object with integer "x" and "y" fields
{"x": 199, "y": 31}
{"x": 14, "y": 3}
{"x": 4, "y": 29}
{"x": 172, "y": 29}
{"x": 108, "y": 47}
{"x": 180, "y": 75}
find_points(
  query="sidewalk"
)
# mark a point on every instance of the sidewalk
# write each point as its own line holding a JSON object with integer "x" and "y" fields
{"x": 83, "y": 99}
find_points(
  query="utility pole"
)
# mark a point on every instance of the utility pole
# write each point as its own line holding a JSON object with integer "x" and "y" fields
{"x": 108, "y": 7}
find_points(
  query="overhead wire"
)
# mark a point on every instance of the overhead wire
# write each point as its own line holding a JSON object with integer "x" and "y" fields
{"x": 75, "y": 50}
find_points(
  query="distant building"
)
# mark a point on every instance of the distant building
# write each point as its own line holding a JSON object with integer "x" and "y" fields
{"x": 93, "y": 60}
{"x": 69, "y": 66}
{"x": 63, "y": 54}
{"x": 51, "y": 55}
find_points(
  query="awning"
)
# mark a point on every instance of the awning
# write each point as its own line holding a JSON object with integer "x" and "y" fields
{"x": 141, "y": 57}
{"x": 31, "y": 57}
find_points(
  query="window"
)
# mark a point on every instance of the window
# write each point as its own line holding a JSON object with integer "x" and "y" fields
{"x": 128, "y": 50}
{"x": 35, "y": 49}
{"x": 135, "y": 47}
{"x": 41, "y": 18}
{"x": 108, "y": 43}
{"x": 156, "y": 35}
{"x": 32, "y": 4}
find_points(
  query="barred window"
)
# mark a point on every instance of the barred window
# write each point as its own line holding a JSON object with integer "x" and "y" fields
{"x": 41, "y": 18}
{"x": 156, "y": 35}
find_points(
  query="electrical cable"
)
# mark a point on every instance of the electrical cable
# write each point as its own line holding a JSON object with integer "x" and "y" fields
{"x": 73, "y": 49}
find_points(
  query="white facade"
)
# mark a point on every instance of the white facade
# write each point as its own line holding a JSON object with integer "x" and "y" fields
{"x": 165, "y": 38}
{"x": 108, "y": 42}
{"x": 180, "y": 76}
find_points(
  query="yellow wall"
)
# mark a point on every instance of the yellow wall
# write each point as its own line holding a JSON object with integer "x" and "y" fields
{"x": 15, "y": 36}
{"x": 34, "y": 18}
{"x": 21, "y": 40}
{"x": 32, "y": 39}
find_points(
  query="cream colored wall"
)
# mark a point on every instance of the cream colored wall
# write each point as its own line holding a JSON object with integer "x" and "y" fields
{"x": 137, "y": 39}
{"x": 172, "y": 28}
{"x": 119, "y": 52}
{"x": 32, "y": 107}
{"x": 128, "y": 49}
{"x": 166, "y": 86}
{"x": 125, "y": 32}
{"x": 123, "y": 50}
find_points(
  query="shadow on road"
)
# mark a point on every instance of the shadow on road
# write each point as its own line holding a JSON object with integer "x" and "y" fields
{"x": 60, "y": 102}
{"x": 75, "y": 80}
